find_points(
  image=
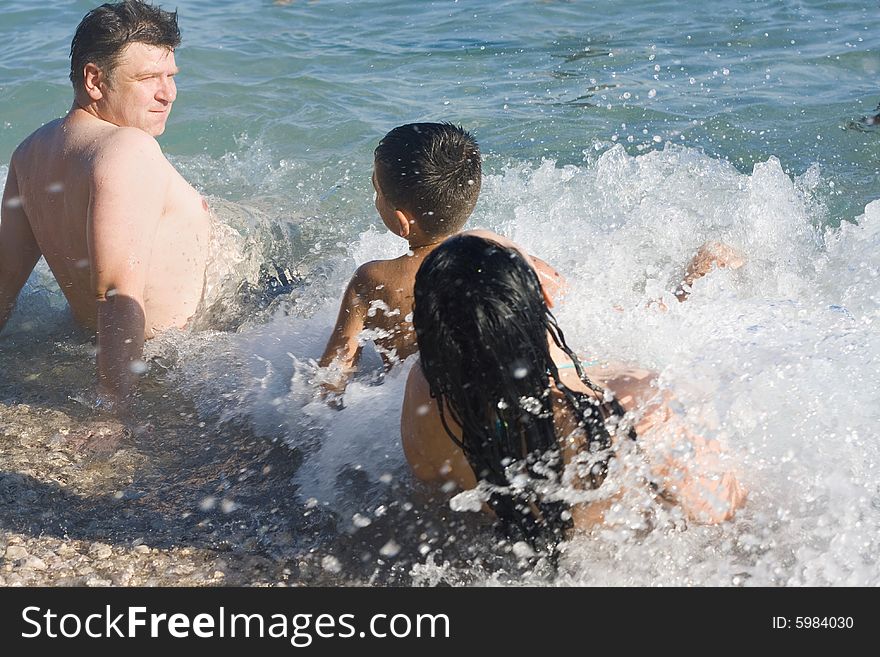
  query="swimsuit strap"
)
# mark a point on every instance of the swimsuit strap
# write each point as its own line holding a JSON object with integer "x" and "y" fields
{"x": 584, "y": 363}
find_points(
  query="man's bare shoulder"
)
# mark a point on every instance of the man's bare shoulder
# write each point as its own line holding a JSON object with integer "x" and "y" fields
{"x": 121, "y": 145}
{"x": 25, "y": 150}
{"x": 127, "y": 156}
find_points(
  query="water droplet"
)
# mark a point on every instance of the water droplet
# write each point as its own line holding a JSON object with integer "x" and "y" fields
{"x": 390, "y": 549}
{"x": 331, "y": 564}
{"x": 137, "y": 367}
{"x": 360, "y": 521}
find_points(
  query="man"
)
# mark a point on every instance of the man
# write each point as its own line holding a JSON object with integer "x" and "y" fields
{"x": 124, "y": 234}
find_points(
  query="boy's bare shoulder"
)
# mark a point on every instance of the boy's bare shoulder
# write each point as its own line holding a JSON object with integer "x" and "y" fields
{"x": 375, "y": 273}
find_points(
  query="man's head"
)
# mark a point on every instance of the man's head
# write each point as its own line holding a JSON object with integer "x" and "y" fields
{"x": 122, "y": 63}
{"x": 430, "y": 171}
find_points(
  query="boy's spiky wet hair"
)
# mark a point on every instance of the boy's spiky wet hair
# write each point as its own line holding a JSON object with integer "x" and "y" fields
{"x": 432, "y": 170}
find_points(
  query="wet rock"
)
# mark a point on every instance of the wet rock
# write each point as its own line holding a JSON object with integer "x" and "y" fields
{"x": 34, "y": 563}
{"x": 15, "y": 553}
{"x": 66, "y": 551}
{"x": 100, "y": 551}
{"x": 98, "y": 582}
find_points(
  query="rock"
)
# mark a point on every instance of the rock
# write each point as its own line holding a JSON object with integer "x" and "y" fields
{"x": 66, "y": 551}
{"x": 141, "y": 549}
{"x": 98, "y": 582}
{"x": 34, "y": 563}
{"x": 16, "y": 553}
{"x": 100, "y": 551}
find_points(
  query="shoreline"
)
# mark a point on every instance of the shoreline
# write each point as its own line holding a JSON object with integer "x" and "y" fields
{"x": 157, "y": 509}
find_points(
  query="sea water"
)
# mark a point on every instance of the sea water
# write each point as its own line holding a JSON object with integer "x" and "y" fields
{"x": 617, "y": 138}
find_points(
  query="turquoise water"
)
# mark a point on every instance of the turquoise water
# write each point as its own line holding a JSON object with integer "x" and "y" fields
{"x": 316, "y": 83}
{"x": 617, "y": 137}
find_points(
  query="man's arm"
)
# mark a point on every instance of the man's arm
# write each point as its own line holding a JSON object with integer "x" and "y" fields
{"x": 19, "y": 251}
{"x": 343, "y": 349}
{"x": 128, "y": 195}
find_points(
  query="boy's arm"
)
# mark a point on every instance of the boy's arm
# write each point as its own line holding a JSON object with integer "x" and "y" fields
{"x": 343, "y": 349}
{"x": 553, "y": 283}
{"x": 707, "y": 257}
{"x": 19, "y": 251}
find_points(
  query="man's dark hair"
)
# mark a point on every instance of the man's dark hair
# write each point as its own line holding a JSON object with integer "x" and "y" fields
{"x": 432, "y": 170}
{"x": 105, "y": 31}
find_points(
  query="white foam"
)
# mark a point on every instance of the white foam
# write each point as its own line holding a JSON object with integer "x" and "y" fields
{"x": 778, "y": 359}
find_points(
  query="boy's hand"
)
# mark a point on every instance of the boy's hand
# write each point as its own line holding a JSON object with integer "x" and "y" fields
{"x": 333, "y": 396}
{"x": 710, "y": 255}
{"x": 332, "y": 381}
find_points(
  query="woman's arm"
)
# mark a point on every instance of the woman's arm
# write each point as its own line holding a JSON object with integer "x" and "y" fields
{"x": 693, "y": 470}
{"x": 429, "y": 450}
{"x": 689, "y": 468}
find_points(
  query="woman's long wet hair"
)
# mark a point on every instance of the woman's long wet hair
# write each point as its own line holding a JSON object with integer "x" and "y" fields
{"x": 482, "y": 327}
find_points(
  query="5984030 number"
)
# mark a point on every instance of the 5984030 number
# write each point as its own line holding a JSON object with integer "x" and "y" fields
{"x": 823, "y": 622}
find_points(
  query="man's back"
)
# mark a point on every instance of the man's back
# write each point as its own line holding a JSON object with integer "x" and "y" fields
{"x": 66, "y": 169}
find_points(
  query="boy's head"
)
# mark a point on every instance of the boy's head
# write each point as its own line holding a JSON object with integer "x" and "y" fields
{"x": 433, "y": 172}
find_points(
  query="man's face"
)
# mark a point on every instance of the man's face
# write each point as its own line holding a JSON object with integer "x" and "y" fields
{"x": 140, "y": 90}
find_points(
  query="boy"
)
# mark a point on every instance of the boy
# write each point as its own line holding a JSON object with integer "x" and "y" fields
{"x": 427, "y": 179}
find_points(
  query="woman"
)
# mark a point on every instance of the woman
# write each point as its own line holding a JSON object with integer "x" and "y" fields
{"x": 500, "y": 402}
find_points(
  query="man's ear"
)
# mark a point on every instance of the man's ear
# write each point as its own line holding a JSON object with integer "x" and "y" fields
{"x": 93, "y": 79}
{"x": 404, "y": 222}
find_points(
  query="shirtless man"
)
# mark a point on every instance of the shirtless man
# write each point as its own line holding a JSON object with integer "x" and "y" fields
{"x": 124, "y": 234}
